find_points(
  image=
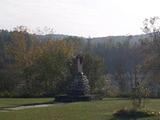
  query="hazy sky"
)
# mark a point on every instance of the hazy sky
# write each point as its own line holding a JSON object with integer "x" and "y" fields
{"x": 79, "y": 17}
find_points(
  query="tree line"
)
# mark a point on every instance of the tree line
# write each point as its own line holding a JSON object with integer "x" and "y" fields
{"x": 33, "y": 67}
{"x": 39, "y": 66}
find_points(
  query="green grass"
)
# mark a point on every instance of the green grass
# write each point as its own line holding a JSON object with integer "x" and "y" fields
{"x": 94, "y": 110}
{"x": 11, "y": 102}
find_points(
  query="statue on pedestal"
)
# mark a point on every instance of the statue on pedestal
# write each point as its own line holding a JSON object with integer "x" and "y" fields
{"x": 79, "y": 89}
{"x": 80, "y": 84}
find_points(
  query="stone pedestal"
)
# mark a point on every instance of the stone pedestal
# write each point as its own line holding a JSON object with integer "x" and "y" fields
{"x": 78, "y": 90}
{"x": 79, "y": 86}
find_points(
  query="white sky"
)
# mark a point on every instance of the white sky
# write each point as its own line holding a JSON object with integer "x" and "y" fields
{"x": 79, "y": 17}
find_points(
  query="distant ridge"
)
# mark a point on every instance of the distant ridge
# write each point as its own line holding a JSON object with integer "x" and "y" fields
{"x": 131, "y": 38}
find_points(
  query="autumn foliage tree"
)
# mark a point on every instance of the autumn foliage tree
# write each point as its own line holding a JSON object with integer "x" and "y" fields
{"x": 31, "y": 66}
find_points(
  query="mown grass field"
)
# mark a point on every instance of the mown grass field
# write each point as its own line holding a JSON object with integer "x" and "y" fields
{"x": 94, "y": 110}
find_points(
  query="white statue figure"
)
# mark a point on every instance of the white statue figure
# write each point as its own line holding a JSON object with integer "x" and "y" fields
{"x": 79, "y": 59}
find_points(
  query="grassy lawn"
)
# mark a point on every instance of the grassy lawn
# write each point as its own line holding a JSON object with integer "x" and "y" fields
{"x": 94, "y": 110}
{"x": 11, "y": 102}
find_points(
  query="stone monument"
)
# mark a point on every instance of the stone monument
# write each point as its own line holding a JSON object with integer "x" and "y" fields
{"x": 79, "y": 89}
{"x": 80, "y": 84}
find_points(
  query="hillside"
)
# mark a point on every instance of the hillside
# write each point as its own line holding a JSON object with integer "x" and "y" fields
{"x": 95, "y": 40}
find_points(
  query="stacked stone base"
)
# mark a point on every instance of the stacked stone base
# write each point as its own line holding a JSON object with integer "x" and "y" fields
{"x": 79, "y": 90}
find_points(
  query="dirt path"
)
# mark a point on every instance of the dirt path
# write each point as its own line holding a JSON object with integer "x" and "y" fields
{"x": 30, "y": 106}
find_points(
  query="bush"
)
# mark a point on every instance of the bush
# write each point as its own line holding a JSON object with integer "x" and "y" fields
{"x": 6, "y": 94}
{"x": 132, "y": 113}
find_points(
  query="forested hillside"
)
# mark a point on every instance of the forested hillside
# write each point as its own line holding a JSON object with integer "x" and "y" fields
{"x": 33, "y": 66}
{"x": 40, "y": 65}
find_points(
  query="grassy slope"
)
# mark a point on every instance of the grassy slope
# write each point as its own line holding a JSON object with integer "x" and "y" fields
{"x": 95, "y": 110}
{"x": 10, "y": 102}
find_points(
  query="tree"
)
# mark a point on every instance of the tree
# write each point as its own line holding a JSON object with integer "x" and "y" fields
{"x": 94, "y": 70}
{"x": 151, "y": 47}
{"x": 50, "y": 69}
{"x": 139, "y": 91}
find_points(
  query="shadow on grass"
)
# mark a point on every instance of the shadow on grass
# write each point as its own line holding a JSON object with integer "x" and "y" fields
{"x": 115, "y": 99}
